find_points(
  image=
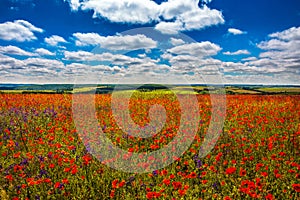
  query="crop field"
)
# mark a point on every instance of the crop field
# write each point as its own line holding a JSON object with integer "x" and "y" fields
{"x": 43, "y": 156}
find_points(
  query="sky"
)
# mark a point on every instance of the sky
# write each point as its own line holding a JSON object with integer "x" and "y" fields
{"x": 174, "y": 41}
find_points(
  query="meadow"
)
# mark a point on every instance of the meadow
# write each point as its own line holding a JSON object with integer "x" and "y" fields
{"x": 257, "y": 155}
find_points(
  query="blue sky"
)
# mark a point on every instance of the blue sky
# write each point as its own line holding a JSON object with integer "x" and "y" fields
{"x": 106, "y": 41}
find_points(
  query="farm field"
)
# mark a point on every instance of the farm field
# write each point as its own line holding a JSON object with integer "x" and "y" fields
{"x": 257, "y": 155}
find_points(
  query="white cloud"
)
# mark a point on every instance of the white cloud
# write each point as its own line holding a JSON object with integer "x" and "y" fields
{"x": 252, "y": 58}
{"x": 172, "y": 8}
{"x": 74, "y": 4}
{"x": 279, "y": 45}
{"x": 282, "y": 49}
{"x": 119, "y": 42}
{"x": 175, "y": 41}
{"x": 239, "y": 52}
{"x": 289, "y": 34}
{"x": 18, "y": 30}
{"x": 13, "y": 50}
{"x": 43, "y": 63}
{"x": 7, "y": 62}
{"x": 116, "y": 59}
{"x": 189, "y": 19}
{"x": 170, "y": 28}
{"x": 54, "y": 40}
{"x": 186, "y": 14}
{"x": 202, "y": 49}
{"x": 128, "y": 42}
{"x": 131, "y": 11}
{"x": 85, "y": 39}
{"x": 235, "y": 31}
{"x": 201, "y": 18}
{"x": 42, "y": 51}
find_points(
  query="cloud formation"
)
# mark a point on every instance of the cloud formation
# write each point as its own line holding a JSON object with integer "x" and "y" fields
{"x": 235, "y": 31}
{"x": 282, "y": 49}
{"x": 18, "y": 30}
{"x": 54, "y": 40}
{"x": 44, "y": 52}
{"x": 201, "y": 49}
{"x": 118, "y": 42}
{"x": 171, "y": 16}
{"x": 238, "y": 52}
{"x": 278, "y": 63}
{"x": 13, "y": 50}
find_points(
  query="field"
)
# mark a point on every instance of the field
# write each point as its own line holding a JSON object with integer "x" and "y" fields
{"x": 44, "y": 156}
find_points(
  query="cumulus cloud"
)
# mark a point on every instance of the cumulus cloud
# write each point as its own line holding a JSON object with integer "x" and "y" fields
{"x": 282, "y": 49}
{"x": 32, "y": 68}
{"x": 176, "y": 41}
{"x": 289, "y": 34}
{"x": 252, "y": 58}
{"x": 238, "y": 52}
{"x": 54, "y": 40}
{"x": 13, "y": 50}
{"x": 74, "y": 4}
{"x": 18, "y": 30}
{"x": 44, "y": 52}
{"x": 235, "y": 31}
{"x": 131, "y": 11}
{"x": 185, "y": 15}
{"x": 116, "y": 59}
{"x": 201, "y": 49}
{"x": 186, "y": 19}
{"x": 170, "y": 28}
{"x": 50, "y": 64}
{"x": 118, "y": 42}
{"x": 86, "y": 39}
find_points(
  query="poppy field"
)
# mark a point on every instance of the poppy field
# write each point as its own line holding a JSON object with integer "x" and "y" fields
{"x": 257, "y": 156}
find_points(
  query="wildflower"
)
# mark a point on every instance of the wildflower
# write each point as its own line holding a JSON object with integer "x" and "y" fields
{"x": 177, "y": 185}
{"x": 57, "y": 184}
{"x": 265, "y": 174}
{"x": 164, "y": 172}
{"x": 122, "y": 183}
{"x": 65, "y": 181}
{"x": 112, "y": 194}
{"x": 155, "y": 172}
{"x": 9, "y": 177}
{"x": 242, "y": 172}
{"x": 269, "y": 197}
{"x": 230, "y": 170}
{"x": 167, "y": 181}
{"x": 115, "y": 183}
{"x": 296, "y": 187}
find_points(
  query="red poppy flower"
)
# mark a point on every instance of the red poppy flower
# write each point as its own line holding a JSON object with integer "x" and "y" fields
{"x": 115, "y": 183}
{"x": 265, "y": 174}
{"x": 177, "y": 185}
{"x": 9, "y": 177}
{"x": 181, "y": 192}
{"x": 230, "y": 170}
{"x": 296, "y": 187}
{"x": 269, "y": 197}
{"x": 57, "y": 184}
{"x": 112, "y": 194}
{"x": 242, "y": 172}
{"x": 167, "y": 181}
{"x": 65, "y": 181}
{"x": 122, "y": 183}
{"x": 164, "y": 172}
